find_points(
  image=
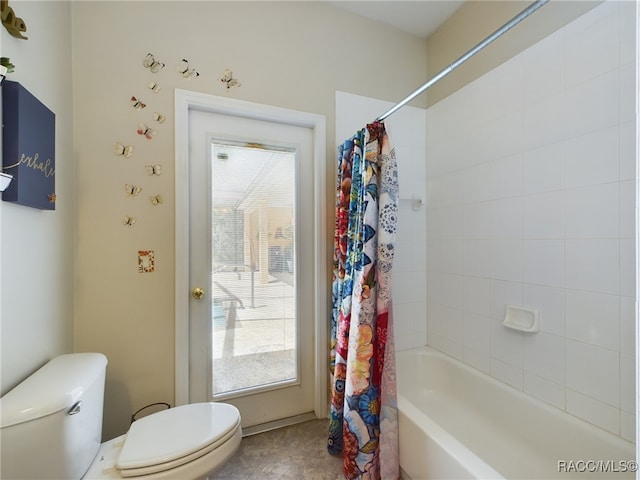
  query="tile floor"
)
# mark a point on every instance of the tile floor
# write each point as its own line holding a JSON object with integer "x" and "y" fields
{"x": 297, "y": 452}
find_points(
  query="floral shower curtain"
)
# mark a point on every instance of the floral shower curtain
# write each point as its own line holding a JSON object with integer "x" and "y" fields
{"x": 364, "y": 414}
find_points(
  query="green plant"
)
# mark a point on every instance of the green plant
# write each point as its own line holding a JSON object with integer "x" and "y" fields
{"x": 6, "y": 62}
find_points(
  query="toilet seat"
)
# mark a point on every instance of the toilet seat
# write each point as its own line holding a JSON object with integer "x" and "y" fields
{"x": 175, "y": 437}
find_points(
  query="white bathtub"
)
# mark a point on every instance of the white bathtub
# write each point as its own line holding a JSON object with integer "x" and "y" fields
{"x": 456, "y": 422}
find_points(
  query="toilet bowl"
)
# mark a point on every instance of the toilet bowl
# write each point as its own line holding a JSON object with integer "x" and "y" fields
{"x": 186, "y": 442}
{"x": 51, "y": 427}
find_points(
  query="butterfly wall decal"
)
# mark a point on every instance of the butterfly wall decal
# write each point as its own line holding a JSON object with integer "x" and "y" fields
{"x": 227, "y": 78}
{"x": 152, "y": 64}
{"x": 129, "y": 221}
{"x": 154, "y": 87}
{"x": 132, "y": 190}
{"x": 158, "y": 117}
{"x": 137, "y": 104}
{"x": 153, "y": 169}
{"x": 123, "y": 150}
{"x": 145, "y": 131}
{"x": 156, "y": 199}
{"x": 185, "y": 71}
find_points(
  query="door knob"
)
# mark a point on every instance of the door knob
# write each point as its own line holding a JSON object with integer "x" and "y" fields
{"x": 198, "y": 293}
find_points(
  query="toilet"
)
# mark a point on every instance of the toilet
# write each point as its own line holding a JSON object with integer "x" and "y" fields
{"x": 51, "y": 428}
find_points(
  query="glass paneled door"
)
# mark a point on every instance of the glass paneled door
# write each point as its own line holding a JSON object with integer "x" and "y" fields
{"x": 251, "y": 268}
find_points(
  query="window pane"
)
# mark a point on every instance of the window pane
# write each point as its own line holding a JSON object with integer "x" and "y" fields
{"x": 253, "y": 233}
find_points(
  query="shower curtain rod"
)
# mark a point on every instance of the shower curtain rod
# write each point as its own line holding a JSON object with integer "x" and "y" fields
{"x": 498, "y": 33}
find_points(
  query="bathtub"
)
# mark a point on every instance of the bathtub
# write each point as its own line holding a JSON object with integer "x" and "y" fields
{"x": 456, "y": 422}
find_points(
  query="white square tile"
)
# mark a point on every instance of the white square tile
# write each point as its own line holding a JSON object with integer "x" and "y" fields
{"x": 544, "y": 356}
{"x": 476, "y": 183}
{"x": 593, "y": 411}
{"x": 544, "y": 215}
{"x": 452, "y": 290}
{"x": 419, "y": 253}
{"x": 419, "y": 339}
{"x": 592, "y": 212}
{"x": 435, "y": 315}
{"x": 452, "y": 326}
{"x": 544, "y": 122}
{"x": 592, "y": 45}
{"x": 452, "y": 257}
{"x": 420, "y": 315}
{"x": 507, "y": 134}
{"x": 434, "y": 224}
{"x": 627, "y": 31}
{"x": 507, "y": 260}
{"x": 506, "y": 177}
{"x": 402, "y": 259}
{"x": 477, "y": 295}
{"x": 403, "y": 342}
{"x": 549, "y": 302}
{"x": 628, "y": 426}
{"x": 627, "y": 325}
{"x": 627, "y": 383}
{"x": 506, "y": 218}
{"x": 592, "y": 105}
{"x": 477, "y": 360}
{"x": 543, "y": 68}
{"x": 592, "y": 265}
{"x": 628, "y": 263}
{"x": 593, "y": 371}
{"x": 544, "y": 262}
{"x": 452, "y": 348}
{"x": 543, "y": 389}
{"x": 402, "y": 324}
{"x": 450, "y": 189}
{"x": 434, "y": 287}
{"x": 628, "y": 209}
{"x": 504, "y": 86}
{"x": 477, "y": 220}
{"x": 418, "y": 285}
{"x": 402, "y": 287}
{"x": 628, "y": 159}
{"x": 477, "y": 333}
{"x": 502, "y": 294}
{"x": 477, "y": 258}
{"x": 507, "y": 373}
{"x": 506, "y": 344}
{"x": 452, "y": 222}
{"x": 628, "y": 92}
{"x": 434, "y": 255}
{"x": 543, "y": 168}
{"x": 477, "y": 147}
{"x": 592, "y": 158}
{"x": 593, "y": 318}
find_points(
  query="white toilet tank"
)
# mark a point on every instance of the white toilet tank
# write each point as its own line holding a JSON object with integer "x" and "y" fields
{"x": 51, "y": 423}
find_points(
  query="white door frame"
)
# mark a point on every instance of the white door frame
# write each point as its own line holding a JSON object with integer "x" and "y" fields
{"x": 186, "y": 100}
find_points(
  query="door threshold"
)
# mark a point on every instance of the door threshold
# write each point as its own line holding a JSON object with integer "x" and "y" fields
{"x": 284, "y": 422}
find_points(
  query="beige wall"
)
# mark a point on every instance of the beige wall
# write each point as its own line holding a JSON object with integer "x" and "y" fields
{"x": 476, "y": 20}
{"x": 36, "y": 246}
{"x": 291, "y": 54}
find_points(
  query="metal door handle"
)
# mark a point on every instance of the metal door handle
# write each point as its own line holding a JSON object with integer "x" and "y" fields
{"x": 197, "y": 293}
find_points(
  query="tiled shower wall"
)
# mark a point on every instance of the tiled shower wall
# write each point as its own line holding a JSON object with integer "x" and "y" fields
{"x": 531, "y": 178}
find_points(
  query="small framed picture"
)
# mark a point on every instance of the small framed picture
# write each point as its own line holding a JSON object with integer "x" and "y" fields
{"x": 145, "y": 261}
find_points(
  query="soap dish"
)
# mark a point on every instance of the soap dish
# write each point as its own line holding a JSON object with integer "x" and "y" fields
{"x": 522, "y": 319}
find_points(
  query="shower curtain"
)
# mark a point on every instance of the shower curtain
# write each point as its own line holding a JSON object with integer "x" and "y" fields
{"x": 364, "y": 415}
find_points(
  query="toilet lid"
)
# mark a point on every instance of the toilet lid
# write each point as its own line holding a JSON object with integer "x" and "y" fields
{"x": 169, "y": 435}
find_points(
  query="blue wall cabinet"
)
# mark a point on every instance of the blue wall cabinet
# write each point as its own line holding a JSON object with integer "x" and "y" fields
{"x": 28, "y": 148}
